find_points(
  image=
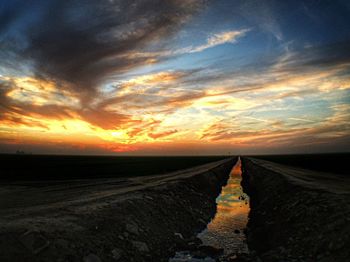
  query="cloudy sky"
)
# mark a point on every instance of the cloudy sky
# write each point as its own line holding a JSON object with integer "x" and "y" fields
{"x": 174, "y": 76}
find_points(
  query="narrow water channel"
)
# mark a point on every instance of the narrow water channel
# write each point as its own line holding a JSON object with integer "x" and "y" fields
{"x": 226, "y": 230}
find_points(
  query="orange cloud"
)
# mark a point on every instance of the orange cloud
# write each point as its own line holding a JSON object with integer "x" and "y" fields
{"x": 162, "y": 134}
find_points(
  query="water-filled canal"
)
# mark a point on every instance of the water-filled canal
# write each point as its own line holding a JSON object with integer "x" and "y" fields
{"x": 226, "y": 230}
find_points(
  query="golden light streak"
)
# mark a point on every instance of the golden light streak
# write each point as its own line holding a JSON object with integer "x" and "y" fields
{"x": 40, "y": 92}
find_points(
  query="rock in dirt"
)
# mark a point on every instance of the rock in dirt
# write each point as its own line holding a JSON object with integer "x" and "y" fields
{"x": 140, "y": 246}
{"x": 116, "y": 254}
{"x": 92, "y": 258}
{"x": 132, "y": 228}
{"x": 207, "y": 251}
{"x": 34, "y": 241}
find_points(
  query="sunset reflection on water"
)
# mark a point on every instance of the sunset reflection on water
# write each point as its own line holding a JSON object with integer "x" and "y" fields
{"x": 232, "y": 214}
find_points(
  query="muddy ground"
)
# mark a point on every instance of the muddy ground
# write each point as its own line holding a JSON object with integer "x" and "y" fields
{"x": 296, "y": 214}
{"x": 124, "y": 219}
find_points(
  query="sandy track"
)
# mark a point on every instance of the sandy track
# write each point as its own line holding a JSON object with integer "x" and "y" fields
{"x": 333, "y": 183}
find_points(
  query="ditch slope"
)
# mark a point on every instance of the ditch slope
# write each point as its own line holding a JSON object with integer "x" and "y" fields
{"x": 296, "y": 214}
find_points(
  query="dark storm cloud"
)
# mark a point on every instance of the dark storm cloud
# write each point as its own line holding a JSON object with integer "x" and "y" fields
{"x": 82, "y": 42}
{"x": 4, "y": 103}
{"x": 328, "y": 55}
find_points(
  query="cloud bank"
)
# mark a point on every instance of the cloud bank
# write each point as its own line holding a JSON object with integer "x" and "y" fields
{"x": 147, "y": 75}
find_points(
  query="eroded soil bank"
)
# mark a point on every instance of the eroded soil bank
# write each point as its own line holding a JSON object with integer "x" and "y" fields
{"x": 135, "y": 219}
{"x": 296, "y": 214}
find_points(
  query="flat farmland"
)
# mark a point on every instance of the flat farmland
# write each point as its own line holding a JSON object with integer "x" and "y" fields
{"x": 49, "y": 167}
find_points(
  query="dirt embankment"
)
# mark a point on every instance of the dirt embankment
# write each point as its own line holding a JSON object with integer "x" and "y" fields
{"x": 296, "y": 215}
{"x": 135, "y": 221}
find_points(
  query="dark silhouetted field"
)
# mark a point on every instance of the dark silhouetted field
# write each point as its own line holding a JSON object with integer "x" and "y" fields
{"x": 337, "y": 163}
{"x": 48, "y": 167}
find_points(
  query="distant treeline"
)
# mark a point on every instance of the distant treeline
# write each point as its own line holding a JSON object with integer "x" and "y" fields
{"x": 49, "y": 167}
{"x": 337, "y": 163}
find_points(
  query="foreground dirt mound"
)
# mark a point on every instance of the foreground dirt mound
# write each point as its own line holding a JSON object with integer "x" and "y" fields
{"x": 296, "y": 215}
{"x": 139, "y": 219}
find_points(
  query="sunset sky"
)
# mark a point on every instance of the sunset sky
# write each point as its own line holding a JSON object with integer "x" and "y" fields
{"x": 174, "y": 77}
